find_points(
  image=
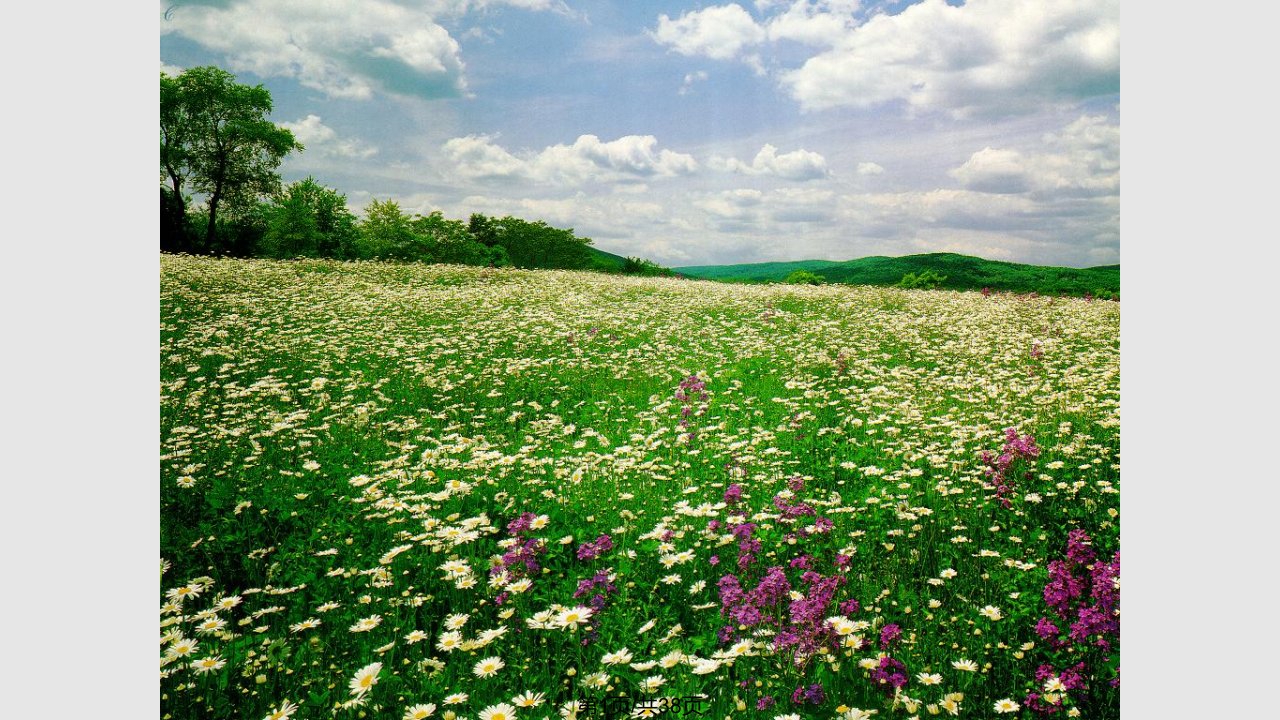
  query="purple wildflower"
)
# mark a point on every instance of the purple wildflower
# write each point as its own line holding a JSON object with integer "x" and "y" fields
{"x": 592, "y": 550}
{"x": 888, "y": 634}
{"x": 733, "y": 494}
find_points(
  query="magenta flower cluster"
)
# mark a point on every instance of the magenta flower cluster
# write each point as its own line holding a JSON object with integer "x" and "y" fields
{"x": 595, "y": 548}
{"x": 1045, "y": 703}
{"x": 521, "y": 560}
{"x": 748, "y": 546}
{"x": 521, "y": 524}
{"x": 800, "y": 625}
{"x": 733, "y": 494}
{"x": 758, "y": 606}
{"x": 1083, "y": 594}
{"x": 1001, "y": 469}
{"x": 812, "y": 695}
{"x": 692, "y": 396}
{"x": 842, "y": 362}
{"x": 889, "y": 634}
{"x": 789, "y": 511}
{"x": 600, "y": 587}
{"x": 889, "y": 675}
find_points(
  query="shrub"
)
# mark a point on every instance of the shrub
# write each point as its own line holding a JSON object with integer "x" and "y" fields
{"x": 926, "y": 280}
{"x": 645, "y": 268}
{"x": 804, "y": 277}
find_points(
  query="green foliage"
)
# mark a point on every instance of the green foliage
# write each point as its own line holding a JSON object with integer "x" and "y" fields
{"x": 292, "y": 230}
{"x": 645, "y": 268}
{"x": 447, "y": 241}
{"x": 925, "y": 280}
{"x": 804, "y": 277}
{"x": 483, "y": 229}
{"x": 175, "y": 164}
{"x": 308, "y": 219}
{"x": 533, "y": 244}
{"x": 498, "y": 256}
{"x": 215, "y": 137}
{"x": 237, "y": 234}
{"x": 386, "y": 232}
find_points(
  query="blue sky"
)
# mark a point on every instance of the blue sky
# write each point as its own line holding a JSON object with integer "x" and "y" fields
{"x": 694, "y": 133}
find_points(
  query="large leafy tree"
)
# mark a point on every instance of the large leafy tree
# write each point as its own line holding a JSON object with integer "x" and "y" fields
{"x": 387, "y": 232}
{"x": 309, "y": 219}
{"x": 532, "y": 244}
{"x": 215, "y": 137}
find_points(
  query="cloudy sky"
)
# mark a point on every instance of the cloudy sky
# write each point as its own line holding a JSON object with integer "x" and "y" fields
{"x": 696, "y": 133}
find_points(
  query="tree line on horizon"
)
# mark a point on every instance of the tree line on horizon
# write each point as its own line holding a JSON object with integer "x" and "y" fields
{"x": 216, "y": 142}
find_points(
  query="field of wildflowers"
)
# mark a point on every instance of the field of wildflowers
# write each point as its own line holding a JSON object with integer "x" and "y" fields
{"x": 398, "y": 491}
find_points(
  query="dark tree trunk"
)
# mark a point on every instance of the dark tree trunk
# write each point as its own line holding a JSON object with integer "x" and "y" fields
{"x": 173, "y": 225}
{"x": 211, "y": 233}
{"x": 173, "y": 219}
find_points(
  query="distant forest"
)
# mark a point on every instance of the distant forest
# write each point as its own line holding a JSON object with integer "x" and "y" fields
{"x": 948, "y": 271}
{"x": 216, "y": 143}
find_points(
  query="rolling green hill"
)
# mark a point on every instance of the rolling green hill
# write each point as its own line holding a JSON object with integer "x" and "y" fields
{"x": 962, "y": 272}
{"x": 606, "y": 260}
{"x": 602, "y": 261}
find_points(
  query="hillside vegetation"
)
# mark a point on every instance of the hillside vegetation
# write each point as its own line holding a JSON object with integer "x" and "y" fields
{"x": 961, "y": 272}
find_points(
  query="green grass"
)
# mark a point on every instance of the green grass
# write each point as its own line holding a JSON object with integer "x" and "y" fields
{"x": 962, "y": 272}
{"x": 334, "y": 434}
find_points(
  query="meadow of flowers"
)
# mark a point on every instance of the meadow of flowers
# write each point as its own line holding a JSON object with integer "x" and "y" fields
{"x": 399, "y": 491}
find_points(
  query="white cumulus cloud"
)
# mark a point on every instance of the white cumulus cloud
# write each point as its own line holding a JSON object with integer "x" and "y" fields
{"x": 719, "y": 32}
{"x": 1081, "y": 161}
{"x": 986, "y": 56}
{"x": 317, "y": 137}
{"x": 995, "y": 171}
{"x": 629, "y": 157}
{"x": 738, "y": 204}
{"x": 814, "y": 22}
{"x": 477, "y": 156}
{"x": 796, "y": 165}
{"x": 346, "y": 50}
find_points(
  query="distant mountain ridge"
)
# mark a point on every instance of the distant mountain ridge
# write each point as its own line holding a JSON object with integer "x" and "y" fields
{"x": 962, "y": 272}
